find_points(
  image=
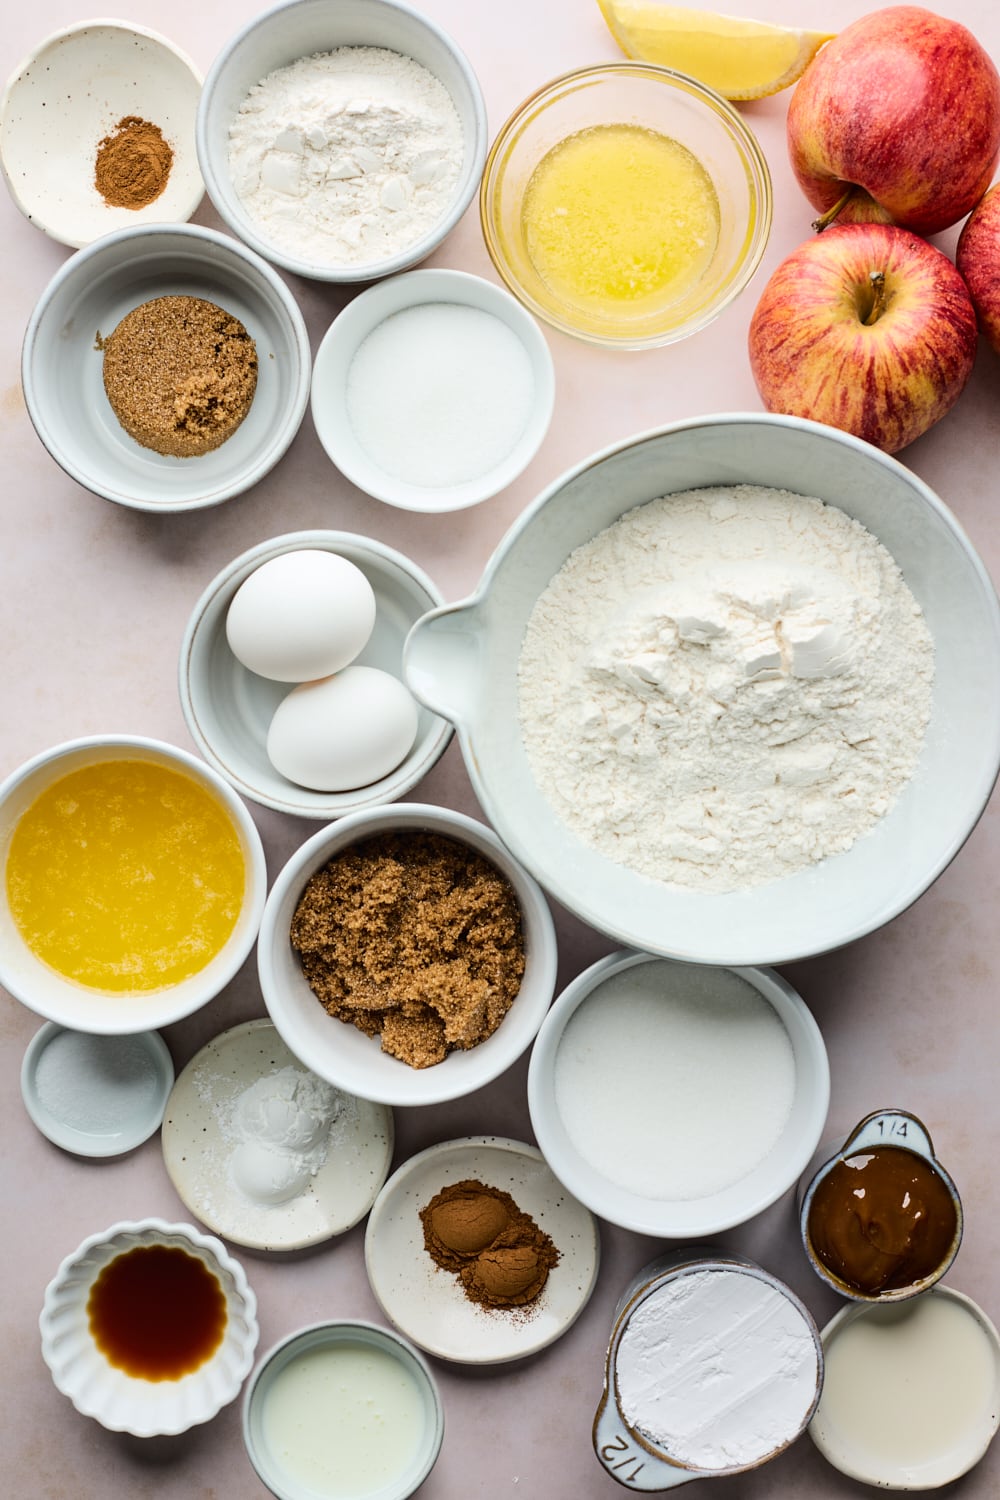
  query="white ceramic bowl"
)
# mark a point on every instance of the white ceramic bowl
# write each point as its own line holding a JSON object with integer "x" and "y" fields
{"x": 72, "y": 1005}
{"x": 229, "y": 708}
{"x": 126, "y": 1403}
{"x": 287, "y": 1475}
{"x": 339, "y": 1052}
{"x": 686, "y": 1218}
{"x": 331, "y": 373}
{"x": 66, "y": 96}
{"x": 298, "y": 28}
{"x": 62, "y": 370}
{"x": 462, "y": 662}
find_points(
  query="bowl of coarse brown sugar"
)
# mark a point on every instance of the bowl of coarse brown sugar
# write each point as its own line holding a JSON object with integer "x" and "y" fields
{"x": 97, "y": 131}
{"x": 166, "y": 367}
{"x": 405, "y": 955}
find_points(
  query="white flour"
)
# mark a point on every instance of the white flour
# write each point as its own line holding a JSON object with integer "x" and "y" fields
{"x": 346, "y": 157}
{"x": 725, "y": 686}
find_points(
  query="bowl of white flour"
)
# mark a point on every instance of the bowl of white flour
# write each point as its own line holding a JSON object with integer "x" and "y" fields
{"x": 727, "y": 689}
{"x": 342, "y": 139}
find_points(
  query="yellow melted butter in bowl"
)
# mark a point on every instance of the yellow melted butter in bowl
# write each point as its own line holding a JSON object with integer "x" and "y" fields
{"x": 126, "y": 876}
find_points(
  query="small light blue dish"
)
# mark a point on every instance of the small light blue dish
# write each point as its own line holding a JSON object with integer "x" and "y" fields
{"x": 96, "y": 1095}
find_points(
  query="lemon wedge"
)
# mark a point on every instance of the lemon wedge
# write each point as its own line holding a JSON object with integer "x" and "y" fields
{"x": 739, "y": 59}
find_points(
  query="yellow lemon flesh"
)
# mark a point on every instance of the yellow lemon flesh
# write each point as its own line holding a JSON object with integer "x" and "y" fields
{"x": 739, "y": 59}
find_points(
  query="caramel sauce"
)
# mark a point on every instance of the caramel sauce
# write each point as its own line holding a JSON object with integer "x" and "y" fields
{"x": 157, "y": 1312}
{"x": 882, "y": 1219}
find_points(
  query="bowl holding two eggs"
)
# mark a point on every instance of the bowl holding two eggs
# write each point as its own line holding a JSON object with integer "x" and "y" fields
{"x": 295, "y": 642}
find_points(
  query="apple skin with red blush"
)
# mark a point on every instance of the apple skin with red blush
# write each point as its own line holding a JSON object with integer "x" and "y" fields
{"x": 896, "y": 120}
{"x": 867, "y": 328}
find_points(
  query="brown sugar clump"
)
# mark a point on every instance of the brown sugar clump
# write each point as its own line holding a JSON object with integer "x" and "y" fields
{"x": 415, "y": 938}
{"x": 180, "y": 374}
{"x": 500, "y": 1256}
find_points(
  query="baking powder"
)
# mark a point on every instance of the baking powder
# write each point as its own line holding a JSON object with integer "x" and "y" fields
{"x": 717, "y": 1368}
{"x": 674, "y": 1081}
{"x": 347, "y": 157}
{"x": 725, "y": 686}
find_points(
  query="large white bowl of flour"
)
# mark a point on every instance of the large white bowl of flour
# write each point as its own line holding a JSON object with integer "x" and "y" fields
{"x": 600, "y": 676}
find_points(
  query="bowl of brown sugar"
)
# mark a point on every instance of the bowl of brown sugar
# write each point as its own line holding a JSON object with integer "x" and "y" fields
{"x": 405, "y": 956}
{"x": 166, "y": 367}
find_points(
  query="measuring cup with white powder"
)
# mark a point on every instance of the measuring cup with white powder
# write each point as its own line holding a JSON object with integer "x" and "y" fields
{"x": 714, "y": 1367}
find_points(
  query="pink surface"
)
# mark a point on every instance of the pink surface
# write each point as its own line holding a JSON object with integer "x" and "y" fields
{"x": 94, "y": 601}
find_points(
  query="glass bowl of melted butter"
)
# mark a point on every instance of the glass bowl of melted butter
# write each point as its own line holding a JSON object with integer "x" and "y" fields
{"x": 626, "y": 204}
{"x": 149, "y": 1327}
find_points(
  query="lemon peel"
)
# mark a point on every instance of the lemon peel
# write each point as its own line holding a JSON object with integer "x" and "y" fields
{"x": 740, "y": 59}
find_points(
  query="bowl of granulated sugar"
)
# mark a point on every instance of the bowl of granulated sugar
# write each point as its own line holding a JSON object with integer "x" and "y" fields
{"x": 343, "y": 141}
{"x": 677, "y": 1100}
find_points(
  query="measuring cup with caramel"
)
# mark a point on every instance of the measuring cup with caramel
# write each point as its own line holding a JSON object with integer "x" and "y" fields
{"x": 881, "y": 1220}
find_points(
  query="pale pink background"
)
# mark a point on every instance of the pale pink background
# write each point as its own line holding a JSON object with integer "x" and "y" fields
{"x": 93, "y": 604}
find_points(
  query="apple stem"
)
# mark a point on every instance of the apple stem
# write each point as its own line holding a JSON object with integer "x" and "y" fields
{"x": 825, "y": 220}
{"x": 877, "y": 282}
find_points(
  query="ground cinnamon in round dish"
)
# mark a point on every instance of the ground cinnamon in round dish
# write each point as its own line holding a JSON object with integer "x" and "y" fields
{"x": 133, "y": 164}
{"x": 415, "y": 938}
{"x": 498, "y": 1253}
{"x": 180, "y": 374}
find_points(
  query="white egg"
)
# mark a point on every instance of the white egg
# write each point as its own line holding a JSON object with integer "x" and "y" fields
{"x": 300, "y": 616}
{"x": 344, "y": 732}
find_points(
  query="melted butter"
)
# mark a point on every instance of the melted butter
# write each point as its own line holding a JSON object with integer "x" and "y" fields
{"x": 620, "y": 216}
{"x": 882, "y": 1219}
{"x": 125, "y": 876}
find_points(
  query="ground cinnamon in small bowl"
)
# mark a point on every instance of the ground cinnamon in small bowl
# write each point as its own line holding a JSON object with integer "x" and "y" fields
{"x": 180, "y": 374}
{"x": 415, "y": 938}
{"x": 500, "y": 1256}
{"x": 133, "y": 164}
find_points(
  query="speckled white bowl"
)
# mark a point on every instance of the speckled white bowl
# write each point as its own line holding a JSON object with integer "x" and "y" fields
{"x": 66, "y": 96}
{"x": 126, "y": 1403}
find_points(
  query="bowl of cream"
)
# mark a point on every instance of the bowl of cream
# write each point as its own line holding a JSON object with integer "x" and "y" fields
{"x": 342, "y": 1408}
{"x": 727, "y": 688}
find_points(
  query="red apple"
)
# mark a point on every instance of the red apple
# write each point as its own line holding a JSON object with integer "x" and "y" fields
{"x": 978, "y": 258}
{"x": 867, "y": 328}
{"x": 897, "y": 120}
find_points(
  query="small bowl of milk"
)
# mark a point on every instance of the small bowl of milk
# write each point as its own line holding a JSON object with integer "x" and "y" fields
{"x": 342, "y": 1408}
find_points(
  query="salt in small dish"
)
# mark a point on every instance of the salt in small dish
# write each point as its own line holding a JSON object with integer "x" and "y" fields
{"x": 96, "y": 1095}
{"x": 228, "y": 709}
{"x": 97, "y": 1383}
{"x": 428, "y": 1304}
{"x": 67, "y": 96}
{"x": 494, "y": 400}
{"x": 343, "y": 1408}
{"x": 199, "y": 1141}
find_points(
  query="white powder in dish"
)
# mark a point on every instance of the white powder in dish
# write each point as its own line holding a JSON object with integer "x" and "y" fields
{"x": 674, "y": 1082}
{"x": 98, "y": 1085}
{"x": 440, "y": 393}
{"x": 347, "y": 157}
{"x": 725, "y": 686}
{"x": 717, "y": 1368}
